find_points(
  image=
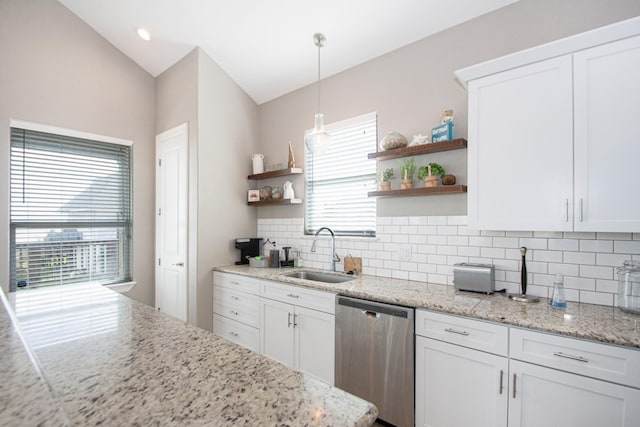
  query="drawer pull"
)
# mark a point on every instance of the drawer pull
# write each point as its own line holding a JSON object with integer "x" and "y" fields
{"x": 455, "y": 331}
{"x": 289, "y": 320}
{"x": 235, "y": 313}
{"x": 233, "y": 334}
{"x": 233, "y": 282}
{"x": 293, "y": 295}
{"x": 514, "y": 386}
{"x": 570, "y": 356}
{"x": 501, "y": 378}
{"x": 234, "y": 297}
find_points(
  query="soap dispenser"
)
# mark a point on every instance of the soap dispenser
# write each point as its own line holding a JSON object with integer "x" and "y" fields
{"x": 557, "y": 298}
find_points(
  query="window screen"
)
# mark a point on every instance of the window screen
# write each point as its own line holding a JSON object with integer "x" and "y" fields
{"x": 70, "y": 210}
{"x": 337, "y": 181}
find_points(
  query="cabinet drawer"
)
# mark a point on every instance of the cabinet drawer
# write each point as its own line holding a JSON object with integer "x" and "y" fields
{"x": 250, "y": 285}
{"x": 303, "y": 297}
{"x": 475, "y": 334}
{"x": 602, "y": 361}
{"x": 236, "y": 305}
{"x": 243, "y": 335}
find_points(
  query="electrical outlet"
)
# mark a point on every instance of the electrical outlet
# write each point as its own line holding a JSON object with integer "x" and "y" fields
{"x": 404, "y": 254}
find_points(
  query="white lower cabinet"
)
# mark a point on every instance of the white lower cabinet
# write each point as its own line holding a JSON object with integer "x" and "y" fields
{"x": 236, "y": 304}
{"x": 466, "y": 377}
{"x": 457, "y": 384}
{"x": 300, "y": 337}
{"x": 563, "y": 381}
{"x": 547, "y": 397}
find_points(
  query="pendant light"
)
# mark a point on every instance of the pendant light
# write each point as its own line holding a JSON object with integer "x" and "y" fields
{"x": 318, "y": 140}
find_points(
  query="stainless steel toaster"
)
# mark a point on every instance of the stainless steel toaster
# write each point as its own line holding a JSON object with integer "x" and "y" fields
{"x": 474, "y": 277}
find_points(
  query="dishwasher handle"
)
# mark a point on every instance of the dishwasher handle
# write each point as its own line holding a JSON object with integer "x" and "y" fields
{"x": 370, "y": 314}
{"x": 375, "y": 308}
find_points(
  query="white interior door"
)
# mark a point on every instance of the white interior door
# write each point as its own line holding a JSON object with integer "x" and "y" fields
{"x": 171, "y": 221}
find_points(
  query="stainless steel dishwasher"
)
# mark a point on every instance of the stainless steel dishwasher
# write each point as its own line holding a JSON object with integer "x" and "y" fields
{"x": 374, "y": 356}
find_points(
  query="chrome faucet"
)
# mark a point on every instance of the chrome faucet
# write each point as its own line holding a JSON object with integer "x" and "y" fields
{"x": 334, "y": 256}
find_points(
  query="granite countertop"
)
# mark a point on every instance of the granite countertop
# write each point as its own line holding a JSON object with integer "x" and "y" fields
{"x": 588, "y": 321}
{"x": 106, "y": 359}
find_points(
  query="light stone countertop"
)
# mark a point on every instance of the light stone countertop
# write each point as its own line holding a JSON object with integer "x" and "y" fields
{"x": 112, "y": 361}
{"x": 588, "y": 321}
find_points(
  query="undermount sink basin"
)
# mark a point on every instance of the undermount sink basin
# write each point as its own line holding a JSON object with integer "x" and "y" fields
{"x": 318, "y": 276}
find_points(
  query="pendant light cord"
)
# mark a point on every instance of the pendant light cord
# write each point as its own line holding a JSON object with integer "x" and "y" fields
{"x": 319, "y": 47}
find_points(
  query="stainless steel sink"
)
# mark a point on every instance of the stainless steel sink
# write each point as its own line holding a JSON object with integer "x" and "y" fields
{"x": 318, "y": 276}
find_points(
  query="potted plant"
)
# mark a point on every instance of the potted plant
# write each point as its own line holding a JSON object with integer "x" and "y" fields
{"x": 430, "y": 173}
{"x": 384, "y": 179}
{"x": 407, "y": 170}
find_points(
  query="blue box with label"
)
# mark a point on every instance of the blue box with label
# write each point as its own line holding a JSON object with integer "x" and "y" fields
{"x": 442, "y": 132}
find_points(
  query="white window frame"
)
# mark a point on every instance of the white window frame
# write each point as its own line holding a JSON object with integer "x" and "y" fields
{"x": 342, "y": 225}
{"x": 124, "y": 286}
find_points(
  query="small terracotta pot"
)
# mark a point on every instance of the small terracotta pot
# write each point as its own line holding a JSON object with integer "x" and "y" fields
{"x": 385, "y": 185}
{"x": 431, "y": 181}
{"x": 406, "y": 183}
{"x": 448, "y": 179}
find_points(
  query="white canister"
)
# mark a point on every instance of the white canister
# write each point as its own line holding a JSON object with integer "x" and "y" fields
{"x": 258, "y": 163}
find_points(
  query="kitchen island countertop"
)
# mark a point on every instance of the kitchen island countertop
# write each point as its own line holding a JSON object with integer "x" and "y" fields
{"x": 587, "y": 321}
{"x": 104, "y": 359}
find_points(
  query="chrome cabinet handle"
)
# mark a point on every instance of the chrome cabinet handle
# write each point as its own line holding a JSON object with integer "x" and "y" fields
{"x": 235, "y": 313}
{"x": 566, "y": 210}
{"x": 501, "y": 377}
{"x": 293, "y": 295}
{"x": 233, "y": 334}
{"x": 179, "y": 264}
{"x": 581, "y": 212}
{"x": 455, "y": 331}
{"x": 233, "y": 282}
{"x": 288, "y": 320}
{"x": 295, "y": 320}
{"x": 234, "y": 297}
{"x": 570, "y": 356}
{"x": 514, "y": 386}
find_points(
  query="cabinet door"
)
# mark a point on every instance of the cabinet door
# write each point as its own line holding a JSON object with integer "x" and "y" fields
{"x": 547, "y": 397}
{"x": 457, "y": 386}
{"x": 315, "y": 343}
{"x": 607, "y": 137}
{"x": 276, "y": 334}
{"x": 521, "y": 148}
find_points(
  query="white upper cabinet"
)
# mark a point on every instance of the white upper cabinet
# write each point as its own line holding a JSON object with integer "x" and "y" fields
{"x": 607, "y": 137}
{"x": 520, "y": 148}
{"x": 554, "y": 135}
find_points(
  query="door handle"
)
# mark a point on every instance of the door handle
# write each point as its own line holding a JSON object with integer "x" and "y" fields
{"x": 179, "y": 264}
{"x": 501, "y": 378}
{"x": 288, "y": 320}
{"x": 514, "y": 386}
{"x": 295, "y": 320}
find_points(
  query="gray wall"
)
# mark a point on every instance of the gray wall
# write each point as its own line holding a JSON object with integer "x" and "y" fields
{"x": 410, "y": 87}
{"x": 57, "y": 71}
{"x": 227, "y": 136}
{"x": 222, "y": 136}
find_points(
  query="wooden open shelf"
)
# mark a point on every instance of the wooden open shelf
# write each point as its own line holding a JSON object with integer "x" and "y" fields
{"x": 277, "y": 202}
{"x": 434, "y": 147}
{"x": 420, "y": 191}
{"x": 276, "y": 173}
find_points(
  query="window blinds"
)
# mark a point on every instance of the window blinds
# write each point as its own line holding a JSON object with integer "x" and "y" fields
{"x": 70, "y": 210}
{"x": 337, "y": 181}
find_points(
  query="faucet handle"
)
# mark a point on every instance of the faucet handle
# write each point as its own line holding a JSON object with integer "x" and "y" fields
{"x": 336, "y": 257}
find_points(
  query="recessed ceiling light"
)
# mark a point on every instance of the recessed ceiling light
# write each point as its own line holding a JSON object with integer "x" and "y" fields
{"x": 144, "y": 34}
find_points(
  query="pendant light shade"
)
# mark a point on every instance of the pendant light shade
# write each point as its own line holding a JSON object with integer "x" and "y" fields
{"x": 318, "y": 140}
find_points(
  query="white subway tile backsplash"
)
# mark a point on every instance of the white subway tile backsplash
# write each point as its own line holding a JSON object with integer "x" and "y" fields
{"x": 579, "y": 258}
{"x": 596, "y": 246}
{"x": 631, "y": 247}
{"x": 533, "y": 243}
{"x": 596, "y": 272}
{"x": 425, "y": 248}
{"x": 563, "y": 245}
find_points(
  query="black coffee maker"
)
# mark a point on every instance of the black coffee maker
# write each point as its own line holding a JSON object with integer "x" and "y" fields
{"x": 249, "y": 247}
